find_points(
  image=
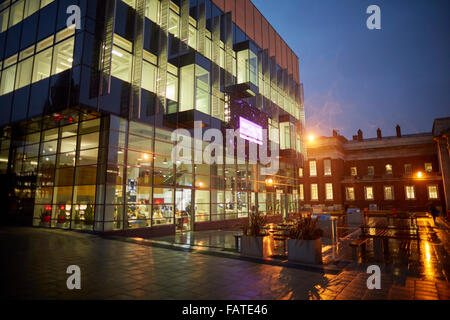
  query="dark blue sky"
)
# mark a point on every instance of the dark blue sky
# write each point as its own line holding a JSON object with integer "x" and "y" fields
{"x": 356, "y": 78}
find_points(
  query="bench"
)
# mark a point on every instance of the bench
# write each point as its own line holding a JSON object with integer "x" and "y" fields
{"x": 358, "y": 244}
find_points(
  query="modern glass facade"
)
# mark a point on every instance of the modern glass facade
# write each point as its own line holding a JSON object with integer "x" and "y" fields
{"x": 88, "y": 114}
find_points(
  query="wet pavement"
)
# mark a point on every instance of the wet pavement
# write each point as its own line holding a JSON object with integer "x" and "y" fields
{"x": 34, "y": 263}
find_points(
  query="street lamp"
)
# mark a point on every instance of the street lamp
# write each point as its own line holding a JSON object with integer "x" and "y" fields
{"x": 311, "y": 138}
{"x": 419, "y": 175}
{"x": 269, "y": 182}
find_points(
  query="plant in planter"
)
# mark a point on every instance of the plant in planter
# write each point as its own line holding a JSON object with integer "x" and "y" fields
{"x": 305, "y": 242}
{"x": 46, "y": 217}
{"x": 89, "y": 216}
{"x": 252, "y": 241}
{"x": 77, "y": 219}
{"x": 62, "y": 218}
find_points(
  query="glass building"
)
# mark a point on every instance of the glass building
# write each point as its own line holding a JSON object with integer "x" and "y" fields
{"x": 87, "y": 114}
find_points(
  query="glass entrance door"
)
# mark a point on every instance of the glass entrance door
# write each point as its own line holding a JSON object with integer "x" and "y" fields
{"x": 183, "y": 210}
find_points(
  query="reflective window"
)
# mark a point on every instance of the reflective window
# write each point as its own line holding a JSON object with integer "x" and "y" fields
{"x": 7, "y": 81}
{"x": 42, "y": 65}
{"x": 16, "y": 14}
{"x": 24, "y": 71}
{"x": 121, "y": 64}
{"x": 202, "y": 93}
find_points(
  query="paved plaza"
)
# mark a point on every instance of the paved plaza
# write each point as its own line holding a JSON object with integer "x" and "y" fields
{"x": 34, "y": 263}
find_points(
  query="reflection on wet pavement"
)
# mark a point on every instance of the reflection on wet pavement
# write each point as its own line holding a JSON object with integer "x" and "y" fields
{"x": 36, "y": 262}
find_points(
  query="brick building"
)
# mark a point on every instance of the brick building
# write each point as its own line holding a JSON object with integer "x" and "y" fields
{"x": 382, "y": 173}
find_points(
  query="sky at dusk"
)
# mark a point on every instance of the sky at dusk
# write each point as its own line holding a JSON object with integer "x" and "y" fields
{"x": 359, "y": 78}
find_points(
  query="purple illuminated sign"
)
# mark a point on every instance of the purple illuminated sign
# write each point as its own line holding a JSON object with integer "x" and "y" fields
{"x": 250, "y": 131}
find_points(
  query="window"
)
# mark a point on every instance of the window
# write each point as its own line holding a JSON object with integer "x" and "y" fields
{"x": 408, "y": 168}
{"x": 148, "y": 77}
{"x": 369, "y": 193}
{"x": 172, "y": 87}
{"x": 45, "y": 2}
{"x": 327, "y": 167}
{"x": 314, "y": 192}
{"x": 433, "y": 192}
{"x": 202, "y": 87}
{"x": 187, "y": 88}
{"x": 7, "y": 82}
{"x": 121, "y": 64}
{"x": 4, "y": 20}
{"x": 192, "y": 37}
{"x": 31, "y": 7}
{"x": 350, "y": 193}
{"x": 388, "y": 193}
{"x": 42, "y": 65}
{"x": 389, "y": 169}
{"x": 174, "y": 24}
{"x": 410, "y": 193}
{"x": 300, "y": 172}
{"x": 428, "y": 167}
{"x": 24, "y": 71}
{"x": 354, "y": 171}
{"x": 329, "y": 191}
{"x": 302, "y": 193}
{"x": 152, "y": 10}
{"x": 63, "y": 56}
{"x": 16, "y": 13}
{"x": 371, "y": 171}
{"x": 312, "y": 169}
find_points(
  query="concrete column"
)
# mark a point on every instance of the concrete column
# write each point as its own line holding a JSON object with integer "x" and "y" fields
{"x": 444, "y": 159}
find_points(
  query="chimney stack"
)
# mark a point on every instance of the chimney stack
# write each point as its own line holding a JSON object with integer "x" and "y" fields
{"x": 355, "y": 138}
{"x": 360, "y": 135}
{"x": 379, "y": 136}
{"x": 399, "y": 131}
{"x": 335, "y": 133}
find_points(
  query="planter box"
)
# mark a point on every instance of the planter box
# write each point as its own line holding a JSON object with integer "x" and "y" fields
{"x": 253, "y": 247}
{"x": 306, "y": 251}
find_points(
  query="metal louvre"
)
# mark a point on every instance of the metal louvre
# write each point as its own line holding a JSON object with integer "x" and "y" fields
{"x": 202, "y": 29}
{"x": 215, "y": 69}
{"x": 136, "y": 82}
{"x": 161, "y": 85}
{"x": 108, "y": 39}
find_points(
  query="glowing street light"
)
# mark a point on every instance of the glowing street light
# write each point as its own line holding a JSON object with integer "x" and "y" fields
{"x": 419, "y": 174}
{"x": 311, "y": 137}
{"x": 269, "y": 181}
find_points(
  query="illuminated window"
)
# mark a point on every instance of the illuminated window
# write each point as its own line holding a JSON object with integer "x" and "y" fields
{"x": 172, "y": 87}
{"x": 312, "y": 169}
{"x": 202, "y": 90}
{"x": 389, "y": 169}
{"x": 410, "y": 193}
{"x": 4, "y": 20}
{"x": 192, "y": 37}
{"x": 300, "y": 172}
{"x": 388, "y": 193}
{"x": 24, "y": 71}
{"x": 329, "y": 191}
{"x": 371, "y": 171}
{"x": 149, "y": 76}
{"x": 7, "y": 81}
{"x": 174, "y": 24}
{"x": 152, "y": 10}
{"x": 45, "y": 2}
{"x": 327, "y": 167}
{"x": 16, "y": 13}
{"x": 314, "y": 192}
{"x": 433, "y": 192}
{"x": 369, "y": 193}
{"x": 42, "y": 65}
{"x": 428, "y": 167}
{"x": 302, "y": 193}
{"x": 63, "y": 56}
{"x": 121, "y": 64}
{"x": 31, "y": 7}
{"x": 350, "y": 193}
{"x": 354, "y": 171}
